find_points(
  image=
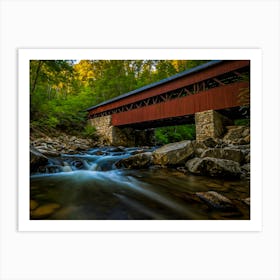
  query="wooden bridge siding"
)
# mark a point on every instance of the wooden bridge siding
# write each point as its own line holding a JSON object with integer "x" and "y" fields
{"x": 211, "y": 72}
{"x": 214, "y": 99}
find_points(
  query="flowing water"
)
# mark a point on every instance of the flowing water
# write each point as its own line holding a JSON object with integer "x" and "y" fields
{"x": 89, "y": 187}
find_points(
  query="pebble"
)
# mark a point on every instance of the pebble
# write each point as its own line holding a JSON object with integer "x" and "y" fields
{"x": 44, "y": 211}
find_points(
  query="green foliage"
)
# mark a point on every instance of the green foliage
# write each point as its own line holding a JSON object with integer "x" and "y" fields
{"x": 90, "y": 131}
{"x": 61, "y": 90}
{"x": 171, "y": 134}
{"x": 245, "y": 122}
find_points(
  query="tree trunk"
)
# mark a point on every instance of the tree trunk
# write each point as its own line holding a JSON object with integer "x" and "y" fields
{"x": 37, "y": 75}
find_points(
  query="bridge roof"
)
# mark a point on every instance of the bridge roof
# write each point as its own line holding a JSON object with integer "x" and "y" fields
{"x": 163, "y": 81}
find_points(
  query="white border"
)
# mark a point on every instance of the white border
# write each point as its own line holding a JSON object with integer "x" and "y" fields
{"x": 254, "y": 224}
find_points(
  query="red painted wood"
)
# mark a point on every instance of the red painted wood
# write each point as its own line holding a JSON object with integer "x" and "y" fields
{"x": 216, "y": 70}
{"x": 214, "y": 99}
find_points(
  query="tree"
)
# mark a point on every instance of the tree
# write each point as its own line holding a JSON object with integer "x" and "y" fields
{"x": 60, "y": 90}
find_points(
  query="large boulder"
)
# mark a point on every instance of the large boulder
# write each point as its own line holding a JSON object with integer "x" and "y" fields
{"x": 224, "y": 153}
{"x": 37, "y": 159}
{"x": 137, "y": 161}
{"x": 199, "y": 147}
{"x": 174, "y": 153}
{"x": 214, "y": 167}
{"x": 209, "y": 142}
{"x": 216, "y": 200}
{"x": 237, "y": 135}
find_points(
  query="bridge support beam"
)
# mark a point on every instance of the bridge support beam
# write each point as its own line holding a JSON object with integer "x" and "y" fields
{"x": 210, "y": 124}
{"x": 115, "y": 136}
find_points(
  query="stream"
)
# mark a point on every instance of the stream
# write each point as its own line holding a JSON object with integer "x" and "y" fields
{"x": 88, "y": 186}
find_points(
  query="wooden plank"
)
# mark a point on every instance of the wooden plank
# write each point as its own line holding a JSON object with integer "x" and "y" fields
{"x": 214, "y": 99}
{"x": 211, "y": 72}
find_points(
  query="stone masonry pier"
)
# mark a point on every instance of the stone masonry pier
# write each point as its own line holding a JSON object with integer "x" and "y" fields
{"x": 201, "y": 93}
{"x": 210, "y": 124}
{"x": 116, "y": 136}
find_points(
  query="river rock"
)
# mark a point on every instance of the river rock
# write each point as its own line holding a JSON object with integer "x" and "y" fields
{"x": 247, "y": 157}
{"x": 214, "y": 167}
{"x": 140, "y": 151}
{"x": 224, "y": 153}
{"x": 246, "y": 200}
{"x": 245, "y": 171}
{"x": 199, "y": 147}
{"x": 236, "y": 135}
{"x": 33, "y": 204}
{"x": 78, "y": 164}
{"x": 246, "y": 132}
{"x": 44, "y": 211}
{"x": 136, "y": 161}
{"x": 174, "y": 153}
{"x": 36, "y": 159}
{"x": 116, "y": 149}
{"x": 216, "y": 200}
{"x": 210, "y": 142}
{"x": 246, "y": 167}
{"x": 49, "y": 153}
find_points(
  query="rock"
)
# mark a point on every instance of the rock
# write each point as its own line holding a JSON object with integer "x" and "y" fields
{"x": 33, "y": 204}
{"x": 43, "y": 146}
{"x": 246, "y": 167}
{"x": 66, "y": 167}
{"x": 82, "y": 147}
{"x": 216, "y": 200}
{"x": 182, "y": 169}
{"x": 246, "y": 200}
{"x": 36, "y": 159}
{"x": 235, "y": 135}
{"x": 210, "y": 142}
{"x": 136, "y": 161}
{"x": 53, "y": 169}
{"x": 173, "y": 154}
{"x": 99, "y": 153}
{"x": 74, "y": 147}
{"x": 44, "y": 211}
{"x": 243, "y": 148}
{"x": 214, "y": 167}
{"x": 247, "y": 139}
{"x": 49, "y": 153}
{"x": 199, "y": 147}
{"x": 78, "y": 164}
{"x": 137, "y": 152}
{"x": 245, "y": 171}
{"x": 117, "y": 149}
{"x": 224, "y": 153}
{"x": 246, "y": 132}
{"x": 247, "y": 157}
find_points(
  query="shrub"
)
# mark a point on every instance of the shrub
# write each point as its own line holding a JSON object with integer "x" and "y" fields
{"x": 171, "y": 134}
{"x": 245, "y": 122}
{"x": 89, "y": 131}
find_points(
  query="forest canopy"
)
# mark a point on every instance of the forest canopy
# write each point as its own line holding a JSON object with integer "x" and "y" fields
{"x": 61, "y": 90}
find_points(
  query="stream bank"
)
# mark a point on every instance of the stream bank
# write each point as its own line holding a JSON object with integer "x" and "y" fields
{"x": 72, "y": 179}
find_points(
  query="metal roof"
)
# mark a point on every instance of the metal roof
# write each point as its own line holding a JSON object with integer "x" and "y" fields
{"x": 171, "y": 78}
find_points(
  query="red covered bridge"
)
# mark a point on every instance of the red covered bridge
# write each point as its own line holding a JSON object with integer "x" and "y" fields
{"x": 215, "y": 85}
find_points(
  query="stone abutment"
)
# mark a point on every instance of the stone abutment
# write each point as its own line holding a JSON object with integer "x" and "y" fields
{"x": 116, "y": 136}
{"x": 210, "y": 124}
